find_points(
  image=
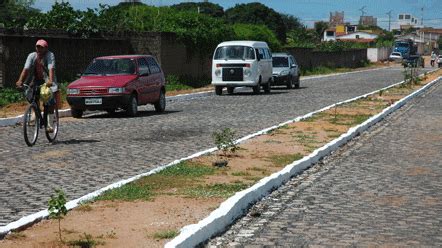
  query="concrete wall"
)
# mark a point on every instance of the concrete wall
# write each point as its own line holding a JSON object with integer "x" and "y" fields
{"x": 73, "y": 54}
{"x": 378, "y": 54}
{"x": 307, "y": 58}
{"x": 362, "y": 35}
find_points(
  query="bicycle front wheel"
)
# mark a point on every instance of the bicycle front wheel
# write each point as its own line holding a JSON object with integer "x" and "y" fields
{"x": 31, "y": 125}
{"x": 53, "y": 124}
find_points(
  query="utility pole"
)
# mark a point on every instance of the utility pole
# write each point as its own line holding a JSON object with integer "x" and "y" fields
{"x": 422, "y": 18}
{"x": 389, "y": 20}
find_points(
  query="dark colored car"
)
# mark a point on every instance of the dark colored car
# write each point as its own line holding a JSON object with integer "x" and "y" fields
{"x": 118, "y": 82}
{"x": 285, "y": 70}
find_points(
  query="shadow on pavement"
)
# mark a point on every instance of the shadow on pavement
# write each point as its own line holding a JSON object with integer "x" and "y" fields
{"x": 74, "y": 141}
{"x": 285, "y": 88}
{"x": 253, "y": 94}
{"x": 122, "y": 114}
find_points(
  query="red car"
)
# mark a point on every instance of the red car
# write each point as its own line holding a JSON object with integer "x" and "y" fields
{"x": 118, "y": 82}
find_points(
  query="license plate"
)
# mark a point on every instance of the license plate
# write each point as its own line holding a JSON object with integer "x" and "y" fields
{"x": 93, "y": 101}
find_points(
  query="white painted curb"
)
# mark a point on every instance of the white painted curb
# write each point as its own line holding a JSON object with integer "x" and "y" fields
{"x": 27, "y": 220}
{"x": 234, "y": 207}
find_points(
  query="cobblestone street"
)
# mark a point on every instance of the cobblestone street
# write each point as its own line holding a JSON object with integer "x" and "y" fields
{"x": 383, "y": 189}
{"x": 96, "y": 151}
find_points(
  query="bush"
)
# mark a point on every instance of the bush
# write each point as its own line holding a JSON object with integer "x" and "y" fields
{"x": 174, "y": 82}
{"x": 258, "y": 33}
{"x": 10, "y": 95}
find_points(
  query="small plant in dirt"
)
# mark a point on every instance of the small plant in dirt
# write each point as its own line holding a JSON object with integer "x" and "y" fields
{"x": 381, "y": 92}
{"x": 85, "y": 241}
{"x": 225, "y": 142}
{"x": 167, "y": 234}
{"x": 57, "y": 208}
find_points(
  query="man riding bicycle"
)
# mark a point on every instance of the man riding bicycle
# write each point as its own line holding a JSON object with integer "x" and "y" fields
{"x": 39, "y": 69}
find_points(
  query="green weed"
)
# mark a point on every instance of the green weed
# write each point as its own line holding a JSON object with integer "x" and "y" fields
{"x": 222, "y": 190}
{"x": 129, "y": 192}
{"x": 85, "y": 241}
{"x": 240, "y": 174}
{"x": 283, "y": 160}
{"x": 167, "y": 234}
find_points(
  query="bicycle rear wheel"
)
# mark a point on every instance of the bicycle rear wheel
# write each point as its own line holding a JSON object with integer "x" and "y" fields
{"x": 51, "y": 136}
{"x": 31, "y": 125}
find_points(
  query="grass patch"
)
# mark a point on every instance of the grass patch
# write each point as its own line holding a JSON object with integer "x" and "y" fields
{"x": 348, "y": 120}
{"x": 240, "y": 174}
{"x": 319, "y": 70}
{"x": 254, "y": 179}
{"x": 333, "y": 135}
{"x": 85, "y": 241}
{"x": 218, "y": 190}
{"x": 272, "y": 142}
{"x": 84, "y": 207}
{"x": 15, "y": 236}
{"x": 187, "y": 169}
{"x": 129, "y": 192}
{"x": 177, "y": 87}
{"x": 314, "y": 117}
{"x": 181, "y": 176}
{"x": 257, "y": 169}
{"x": 167, "y": 234}
{"x": 283, "y": 160}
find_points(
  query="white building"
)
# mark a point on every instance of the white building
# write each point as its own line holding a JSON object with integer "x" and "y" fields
{"x": 407, "y": 20}
{"x": 359, "y": 36}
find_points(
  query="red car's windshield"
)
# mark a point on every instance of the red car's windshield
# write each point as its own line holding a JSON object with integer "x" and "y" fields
{"x": 111, "y": 67}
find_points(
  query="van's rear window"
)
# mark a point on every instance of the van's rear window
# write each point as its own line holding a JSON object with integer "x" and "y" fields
{"x": 280, "y": 62}
{"x": 234, "y": 52}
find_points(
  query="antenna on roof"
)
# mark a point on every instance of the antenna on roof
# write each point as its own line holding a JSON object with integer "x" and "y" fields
{"x": 389, "y": 20}
{"x": 363, "y": 12}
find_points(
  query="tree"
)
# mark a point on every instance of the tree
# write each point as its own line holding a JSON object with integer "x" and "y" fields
{"x": 61, "y": 16}
{"x": 303, "y": 37}
{"x": 256, "y": 32}
{"x": 386, "y": 39}
{"x": 320, "y": 28}
{"x": 200, "y": 33}
{"x": 15, "y": 13}
{"x": 292, "y": 23}
{"x": 214, "y": 10}
{"x": 259, "y": 14}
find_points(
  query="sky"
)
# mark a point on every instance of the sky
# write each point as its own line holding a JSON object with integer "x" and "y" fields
{"x": 310, "y": 11}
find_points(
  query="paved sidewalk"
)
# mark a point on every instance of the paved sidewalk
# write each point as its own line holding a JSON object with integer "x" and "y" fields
{"x": 382, "y": 189}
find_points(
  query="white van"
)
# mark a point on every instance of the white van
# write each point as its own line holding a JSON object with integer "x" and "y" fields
{"x": 242, "y": 63}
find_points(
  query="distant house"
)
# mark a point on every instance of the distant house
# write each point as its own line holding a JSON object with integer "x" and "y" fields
{"x": 430, "y": 36}
{"x": 358, "y": 36}
{"x": 329, "y": 34}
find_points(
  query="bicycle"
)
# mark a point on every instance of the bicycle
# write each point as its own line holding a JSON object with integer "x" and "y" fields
{"x": 33, "y": 119}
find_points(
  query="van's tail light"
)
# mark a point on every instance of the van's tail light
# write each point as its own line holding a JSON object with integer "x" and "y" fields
{"x": 218, "y": 65}
{"x": 247, "y": 65}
